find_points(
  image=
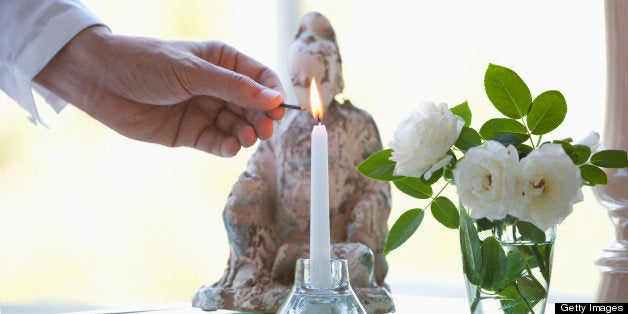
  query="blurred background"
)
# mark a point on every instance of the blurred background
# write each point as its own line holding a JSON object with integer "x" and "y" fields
{"x": 90, "y": 219}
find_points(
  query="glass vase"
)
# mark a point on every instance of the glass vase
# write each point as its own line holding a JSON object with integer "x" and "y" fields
{"x": 322, "y": 287}
{"x": 524, "y": 285}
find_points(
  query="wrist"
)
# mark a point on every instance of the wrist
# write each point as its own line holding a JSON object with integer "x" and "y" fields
{"x": 89, "y": 44}
{"x": 73, "y": 73}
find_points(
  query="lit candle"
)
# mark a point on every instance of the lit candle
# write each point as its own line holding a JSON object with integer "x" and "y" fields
{"x": 319, "y": 197}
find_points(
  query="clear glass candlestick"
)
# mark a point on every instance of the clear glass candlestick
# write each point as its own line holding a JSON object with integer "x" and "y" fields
{"x": 322, "y": 287}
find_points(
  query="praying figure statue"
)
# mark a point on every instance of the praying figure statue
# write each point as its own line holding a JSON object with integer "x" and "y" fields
{"x": 267, "y": 213}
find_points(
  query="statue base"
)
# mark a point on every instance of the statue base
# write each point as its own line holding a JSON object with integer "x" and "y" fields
{"x": 376, "y": 300}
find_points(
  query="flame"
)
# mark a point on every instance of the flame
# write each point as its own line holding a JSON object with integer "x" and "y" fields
{"x": 316, "y": 104}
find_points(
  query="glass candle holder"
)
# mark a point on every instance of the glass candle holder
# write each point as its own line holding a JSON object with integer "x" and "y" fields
{"x": 322, "y": 287}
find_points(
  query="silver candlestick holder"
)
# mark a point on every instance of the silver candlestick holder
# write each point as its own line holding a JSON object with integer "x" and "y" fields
{"x": 322, "y": 287}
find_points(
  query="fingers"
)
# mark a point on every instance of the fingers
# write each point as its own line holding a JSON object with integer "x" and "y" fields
{"x": 263, "y": 125}
{"x": 235, "y": 88}
{"x": 240, "y": 79}
{"x": 276, "y": 114}
{"x": 270, "y": 79}
{"x": 249, "y": 94}
{"x": 261, "y": 122}
{"x": 229, "y": 123}
{"x": 215, "y": 142}
{"x": 253, "y": 99}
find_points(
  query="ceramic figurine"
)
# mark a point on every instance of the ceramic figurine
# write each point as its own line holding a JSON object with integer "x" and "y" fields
{"x": 267, "y": 212}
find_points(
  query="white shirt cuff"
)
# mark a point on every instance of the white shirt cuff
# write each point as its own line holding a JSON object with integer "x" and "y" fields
{"x": 65, "y": 19}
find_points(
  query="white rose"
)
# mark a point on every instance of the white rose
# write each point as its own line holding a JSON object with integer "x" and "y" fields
{"x": 548, "y": 185}
{"x": 423, "y": 138}
{"x": 485, "y": 179}
{"x": 592, "y": 140}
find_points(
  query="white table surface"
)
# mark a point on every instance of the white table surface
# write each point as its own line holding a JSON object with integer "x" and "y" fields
{"x": 405, "y": 304}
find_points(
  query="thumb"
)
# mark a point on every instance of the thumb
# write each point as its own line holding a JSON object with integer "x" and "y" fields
{"x": 235, "y": 88}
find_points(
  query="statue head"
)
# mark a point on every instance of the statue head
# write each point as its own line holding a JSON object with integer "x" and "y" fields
{"x": 314, "y": 53}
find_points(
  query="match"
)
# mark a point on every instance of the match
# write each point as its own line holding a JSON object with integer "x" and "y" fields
{"x": 302, "y": 108}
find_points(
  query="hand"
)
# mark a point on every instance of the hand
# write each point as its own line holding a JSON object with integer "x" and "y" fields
{"x": 205, "y": 95}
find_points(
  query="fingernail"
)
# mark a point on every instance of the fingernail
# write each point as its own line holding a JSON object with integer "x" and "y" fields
{"x": 269, "y": 95}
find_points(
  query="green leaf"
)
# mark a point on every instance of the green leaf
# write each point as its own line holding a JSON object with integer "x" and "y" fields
{"x": 513, "y": 307}
{"x": 445, "y": 212}
{"x": 471, "y": 248}
{"x": 547, "y": 112}
{"x": 468, "y": 138}
{"x": 515, "y": 264}
{"x": 581, "y": 154}
{"x": 531, "y": 232}
{"x": 531, "y": 260}
{"x": 592, "y": 175}
{"x": 509, "y": 220}
{"x": 464, "y": 112}
{"x": 531, "y": 289}
{"x": 507, "y": 91}
{"x": 495, "y": 127}
{"x": 493, "y": 263}
{"x": 538, "y": 255}
{"x": 610, "y": 159}
{"x": 485, "y": 224}
{"x": 567, "y": 147}
{"x": 523, "y": 148}
{"x": 403, "y": 228}
{"x": 434, "y": 178}
{"x": 509, "y": 293}
{"x": 545, "y": 252}
{"x": 378, "y": 166}
{"x": 508, "y": 139}
{"x": 449, "y": 175}
{"x": 414, "y": 187}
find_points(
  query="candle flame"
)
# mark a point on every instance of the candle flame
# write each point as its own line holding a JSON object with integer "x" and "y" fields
{"x": 316, "y": 104}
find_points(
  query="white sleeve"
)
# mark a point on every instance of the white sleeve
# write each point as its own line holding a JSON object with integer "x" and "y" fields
{"x": 33, "y": 31}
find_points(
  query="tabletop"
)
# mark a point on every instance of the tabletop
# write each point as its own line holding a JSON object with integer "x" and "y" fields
{"x": 403, "y": 303}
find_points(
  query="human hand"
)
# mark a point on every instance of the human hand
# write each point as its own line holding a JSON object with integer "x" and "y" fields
{"x": 205, "y": 95}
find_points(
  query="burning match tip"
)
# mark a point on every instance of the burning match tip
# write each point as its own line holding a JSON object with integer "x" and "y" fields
{"x": 302, "y": 108}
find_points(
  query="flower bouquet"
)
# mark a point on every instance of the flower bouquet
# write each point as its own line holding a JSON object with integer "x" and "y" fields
{"x": 513, "y": 186}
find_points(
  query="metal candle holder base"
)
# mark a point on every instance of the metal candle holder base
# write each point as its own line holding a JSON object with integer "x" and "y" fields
{"x": 322, "y": 287}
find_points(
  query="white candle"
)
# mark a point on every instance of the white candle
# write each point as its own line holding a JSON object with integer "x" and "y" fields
{"x": 320, "y": 250}
{"x": 319, "y": 203}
